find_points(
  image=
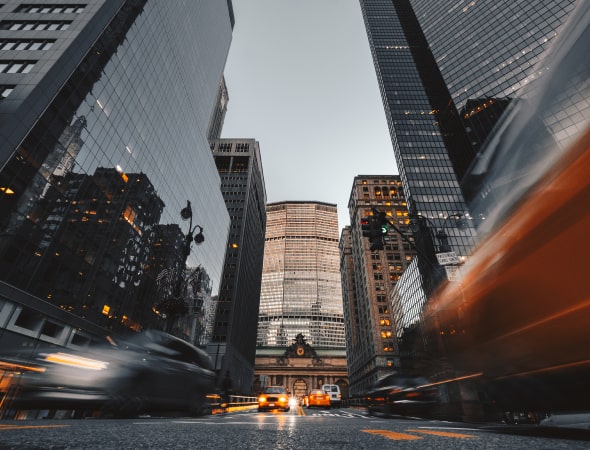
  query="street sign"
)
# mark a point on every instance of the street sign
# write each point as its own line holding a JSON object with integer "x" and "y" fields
{"x": 447, "y": 258}
{"x": 452, "y": 273}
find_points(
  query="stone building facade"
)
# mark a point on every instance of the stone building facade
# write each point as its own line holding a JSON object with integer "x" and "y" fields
{"x": 300, "y": 367}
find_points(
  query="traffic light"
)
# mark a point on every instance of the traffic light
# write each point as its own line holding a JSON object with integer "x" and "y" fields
{"x": 371, "y": 228}
{"x": 366, "y": 227}
{"x": 383, "y": 223}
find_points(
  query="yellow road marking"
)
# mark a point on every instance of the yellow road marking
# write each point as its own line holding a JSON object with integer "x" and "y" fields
{"x": 20, "y": 427}
{"x": 300, "y": 411}
{"x": 393, "y": 435}
{"x": 410, "y": 437}
{"x": 444, "y": 433}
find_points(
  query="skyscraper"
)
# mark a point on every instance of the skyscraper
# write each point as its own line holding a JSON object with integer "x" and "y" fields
{"x": 301, "y": 285}
{"x": 233, "y": 342}
{"x": 470, "y": 56}
{"x": 490, "y": 55}
{"x": 429, "y": 143}
{"x": 100, "y": 99}
{"x": 218, "y": 116}
{"x": 369, "y": 277}
{"x": 490, "y": 50}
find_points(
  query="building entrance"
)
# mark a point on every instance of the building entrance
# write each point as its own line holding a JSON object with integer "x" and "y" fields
{"x": 300, "y": 388}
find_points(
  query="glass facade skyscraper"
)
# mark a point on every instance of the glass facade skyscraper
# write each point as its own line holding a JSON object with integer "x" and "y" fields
{"x": 429, "y": 143}
{"x": 488, "y": 50}
{"x": 301, "y": 285}
{"x": 103, "y": 126}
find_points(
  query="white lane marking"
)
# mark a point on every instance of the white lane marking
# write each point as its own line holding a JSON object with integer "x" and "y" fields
{"x": 450, "y": 428}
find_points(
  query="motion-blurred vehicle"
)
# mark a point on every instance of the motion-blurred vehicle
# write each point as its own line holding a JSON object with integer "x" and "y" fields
{"x": 152, "y": 371}
{"x": 273, "y": 397}
{"x": 333, "y": 390}
{"x": 318, "y": 398}
{"x": 515, "y": 321}
{"x": 399, "y": 394}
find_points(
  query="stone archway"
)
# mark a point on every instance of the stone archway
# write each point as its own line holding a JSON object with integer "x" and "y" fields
{"x": 300, "y": 388}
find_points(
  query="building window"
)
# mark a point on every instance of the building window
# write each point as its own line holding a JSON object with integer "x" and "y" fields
{"x": 16, "y": 66}
{"x": 5, "y": 91}
{"x": 15, "y": 25}
{"x": 50, "y": 9}
{"x": 26, "y": 44}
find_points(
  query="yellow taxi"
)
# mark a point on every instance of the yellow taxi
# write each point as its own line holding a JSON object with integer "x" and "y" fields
{"x": 318, "y": 398}
{"x": 273, "y": 397}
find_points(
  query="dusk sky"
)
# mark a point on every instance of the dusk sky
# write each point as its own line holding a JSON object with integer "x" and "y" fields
{"x": 301, "y": 82}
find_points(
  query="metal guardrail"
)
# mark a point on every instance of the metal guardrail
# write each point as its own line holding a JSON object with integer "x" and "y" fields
{"x": 232, "y": 404}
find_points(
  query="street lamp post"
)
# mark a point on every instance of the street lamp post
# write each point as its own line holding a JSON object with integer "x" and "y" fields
{"x": 176, "y": 305}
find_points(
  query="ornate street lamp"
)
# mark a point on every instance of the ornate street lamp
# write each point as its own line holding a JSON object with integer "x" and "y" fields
{"x": 175, "y": 305}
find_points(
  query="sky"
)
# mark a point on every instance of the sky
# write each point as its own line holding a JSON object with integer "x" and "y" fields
{"x": 301, "y": 81}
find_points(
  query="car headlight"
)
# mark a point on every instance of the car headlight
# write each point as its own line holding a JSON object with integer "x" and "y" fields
{"x": 282, "y": 399}
{"x": 76, "y": 361}
{"x": 261, "y": 399}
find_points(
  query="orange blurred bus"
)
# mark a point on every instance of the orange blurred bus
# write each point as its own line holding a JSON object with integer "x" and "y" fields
{"x": 518, "y": 319}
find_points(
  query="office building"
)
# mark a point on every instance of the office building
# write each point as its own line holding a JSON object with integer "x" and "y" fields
{"x": 369, "y": 278}
{"x": 219, "y": 110}
{"x": 431, "y": 148}
{"x": 104, "y": 112}
{"x": 233, "y": 342}
{"x": 301, "y": 284}
{"x": 473, "y": 57}
{"x": 490, "y": 50}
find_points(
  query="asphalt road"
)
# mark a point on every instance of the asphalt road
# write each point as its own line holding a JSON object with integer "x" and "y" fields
{"x": 297, "y": 429}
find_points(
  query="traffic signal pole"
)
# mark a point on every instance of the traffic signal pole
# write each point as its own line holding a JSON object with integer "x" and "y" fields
{"x": 388, "y": 223}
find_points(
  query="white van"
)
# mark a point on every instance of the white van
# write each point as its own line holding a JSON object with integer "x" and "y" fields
{"x": 334, "y": 391}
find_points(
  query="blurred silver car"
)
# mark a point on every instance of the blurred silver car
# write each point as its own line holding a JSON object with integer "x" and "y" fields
{"x": 152, "y": 371}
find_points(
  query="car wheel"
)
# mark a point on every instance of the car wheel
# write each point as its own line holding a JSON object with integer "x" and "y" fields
{"x": 124, "y": 405}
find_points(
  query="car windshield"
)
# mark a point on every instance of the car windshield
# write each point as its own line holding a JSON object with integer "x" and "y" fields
{"x": 274, "y": 390}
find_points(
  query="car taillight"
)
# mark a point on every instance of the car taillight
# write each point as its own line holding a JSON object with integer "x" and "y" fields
{"x": 413, "y": 394}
